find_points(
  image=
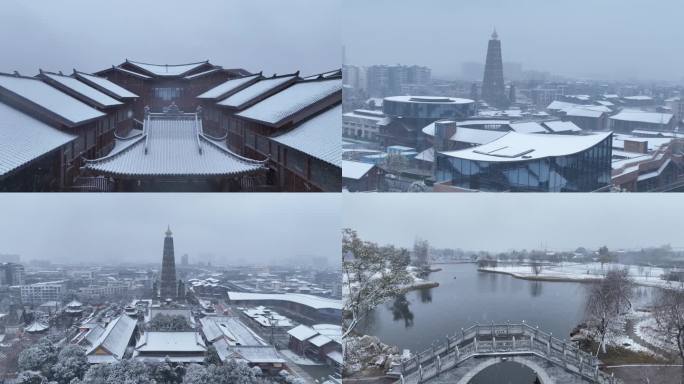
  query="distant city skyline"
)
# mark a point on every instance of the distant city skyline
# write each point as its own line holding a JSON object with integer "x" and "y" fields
{"x": 500, "y": 222}
{"x": 614, "y": 41}
{"x": 235, "y": 229}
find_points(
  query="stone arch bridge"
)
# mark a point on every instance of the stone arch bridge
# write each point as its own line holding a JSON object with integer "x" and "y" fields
{"x": 460, "y": 357}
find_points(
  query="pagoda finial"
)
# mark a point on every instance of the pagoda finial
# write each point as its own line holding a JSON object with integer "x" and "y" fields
{"x": 168, "y": 231}
{"x": 495, "y": 36}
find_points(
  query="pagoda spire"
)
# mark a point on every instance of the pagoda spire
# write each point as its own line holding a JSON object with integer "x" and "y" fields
{"x": 168, "y": 231}
{"x": 495, "y": 36}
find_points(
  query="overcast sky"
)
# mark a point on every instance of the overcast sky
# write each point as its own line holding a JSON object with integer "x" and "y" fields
{"x": 269, "y": 35}
{"x": 225, "y": 228}
{"x": 601, "y": 39}
{"x": 499, "y": 222}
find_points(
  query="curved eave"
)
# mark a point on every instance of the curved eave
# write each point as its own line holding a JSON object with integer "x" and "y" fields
{"x": 252, "y": 165}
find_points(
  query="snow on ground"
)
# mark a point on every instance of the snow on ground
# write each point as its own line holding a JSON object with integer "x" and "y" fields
{"x": 626, "y": 342}
{"x": 641, "y": 275}
{"x": 299, "y": 360}
{"x": 646, "y": 328}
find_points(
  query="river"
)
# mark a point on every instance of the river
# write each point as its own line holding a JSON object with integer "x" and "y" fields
{"x": 466, "y": 296}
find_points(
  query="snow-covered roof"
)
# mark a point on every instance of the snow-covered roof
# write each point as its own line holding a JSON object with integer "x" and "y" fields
{"x": 366, "y": 114}
{"x": 203, "y": 73}
{"x": 36, "y": 326}
{"x": 105, "y": 85}
{"x": 136, "y": 74}
{"x": 244, "y": 96}
{"x": 173, "y": 146}
{"x": 152, "y": 341}
{"x": 333, "y": 73}
{"x": 320, "y": 340}
{"x": 87, "y": 93}
{"x": 229, "y": 328}
{"x": 638, "y": 98}
{"x": 562, "y": 126}
{"x": 643, "y": 117}
{"x": 483, "y": 123}
{"x": 23, "y": 139}
{"x": 558, "y": 105}
{"x": 302, "y": 332}
{"x": 314, "y": 302}
{"x": 582, "y": 112}
{"x": 167, "y": 70}
{"x": 333, "y": 331}
{"x": 468, "y": 135}
{"x": 335, "y": 356}
{"x": 318, "y": 137}
{"x": 429, "y": 100}
{"x": 257, "y": 354}
{"x": 655, "y": 173}
{"x": 115, "y": 337}
{"x": 69, "y": 109}
{"x": 354, "y": 169}
{"x": 74, "y": 303}
{"x": 427, "y": 155}
{"x": 605, "y": 103}
{"x": 528, "y": 127}
{"x": 275, "y": 109}
{"x": 528, "y": 146}
{"x": 227, "y": 87}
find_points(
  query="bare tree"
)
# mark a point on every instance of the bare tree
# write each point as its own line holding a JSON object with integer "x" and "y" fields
{"x": 607, "y": 300}
{"x": 669, "y": 315}
{"x": 421, "y": 250}
{"x": 536, "y": 267}
{"x": 372, "y": 275}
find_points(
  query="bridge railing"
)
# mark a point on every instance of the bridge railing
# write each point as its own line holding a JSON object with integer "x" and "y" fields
{"x": 499, "y": 340}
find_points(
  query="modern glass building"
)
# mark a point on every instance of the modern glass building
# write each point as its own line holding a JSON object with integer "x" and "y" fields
{"x": 521, "y": 162}
{"x": 428, "y": 107}
{"x": 407, "y": 115}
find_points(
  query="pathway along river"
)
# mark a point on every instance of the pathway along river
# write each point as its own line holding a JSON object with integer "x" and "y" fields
{"x": 466, "y": 296}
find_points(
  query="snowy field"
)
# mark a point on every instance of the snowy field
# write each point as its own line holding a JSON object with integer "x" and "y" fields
{"x": 641, "y": 275}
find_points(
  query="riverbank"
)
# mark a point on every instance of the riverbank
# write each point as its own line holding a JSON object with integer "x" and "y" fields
{"x": 418, "y": 282}
{"x": 582, "y": 273}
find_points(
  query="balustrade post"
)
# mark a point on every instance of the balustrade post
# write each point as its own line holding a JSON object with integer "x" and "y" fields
{"x": 564, "y": 353}
{"x": 401, "y": 378}
{"x": 462, "y": 334}
{"x": 548, "y": 347}
{"x": 493, "y": 343}
{"x": 458, "y": 352}
{"x": 475, "y": 343}
{"x": 420, "y": 372}
{"x": 514, "y": 343}
{"x": 439, "y": 364}
{"x": 448, "y": 344}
